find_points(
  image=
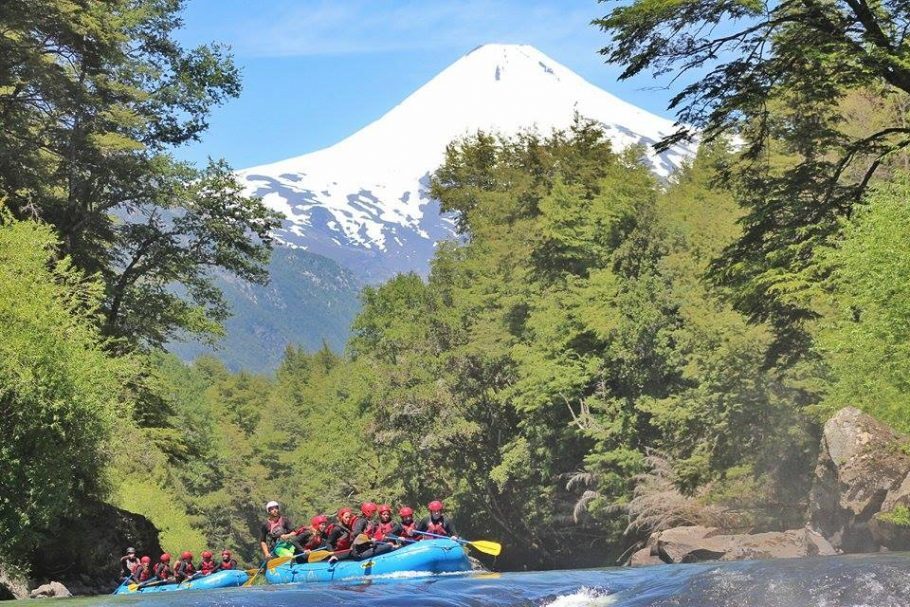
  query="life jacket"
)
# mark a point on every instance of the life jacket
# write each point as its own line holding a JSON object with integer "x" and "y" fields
{"x": 382, "y": 529}
{"x": 345, "y": 540}
{"x": 143, "y": 575}
{"x": 278, "y": 527}
{"x": 163, "y": 571}
{"x": 184, "y": 570}
{"x": 207, "y": 567}
{"x": 437, "y": 528}
{"x": 229, "y": 564}
{"x": 368, "y": 529}
{"x": 408, "y": 531}
{"x": 128, "y": 565}
{"x": 316, "y": 540}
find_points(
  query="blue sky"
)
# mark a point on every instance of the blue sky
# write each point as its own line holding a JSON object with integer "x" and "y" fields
{"x": 315, "y": 71}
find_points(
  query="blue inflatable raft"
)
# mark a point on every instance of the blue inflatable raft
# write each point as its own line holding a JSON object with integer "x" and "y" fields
{"x": 427, "y": 556}
{"x": 219, "y": 579}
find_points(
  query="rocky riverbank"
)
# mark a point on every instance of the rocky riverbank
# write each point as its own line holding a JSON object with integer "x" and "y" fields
{"x": 84, "y": 556}
{"x": 858, "y": 503}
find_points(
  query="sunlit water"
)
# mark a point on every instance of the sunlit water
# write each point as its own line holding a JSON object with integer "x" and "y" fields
{"x": 851, "y": 581}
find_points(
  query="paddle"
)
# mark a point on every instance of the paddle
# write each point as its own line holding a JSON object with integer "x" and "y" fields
{"x": 255, "y": 575}
{"x": 320, "y": 555}
{"x": 485, "y": 546}
{"x": 148, "y": 584}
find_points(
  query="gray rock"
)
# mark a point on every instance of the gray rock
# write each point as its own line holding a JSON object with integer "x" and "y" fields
{"x": 644, "y": 558}
{"x": 694, "y": 543}
{"x": 861, "y": 462}
{"x": 51, "y": 590}
{"x": 12, "y": 586}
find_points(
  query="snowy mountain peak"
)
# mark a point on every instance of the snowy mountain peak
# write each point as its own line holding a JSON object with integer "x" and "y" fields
{"x": 364, "y": 202}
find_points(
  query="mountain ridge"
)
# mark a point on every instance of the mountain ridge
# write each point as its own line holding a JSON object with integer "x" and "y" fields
{"x": 364, "y": 201}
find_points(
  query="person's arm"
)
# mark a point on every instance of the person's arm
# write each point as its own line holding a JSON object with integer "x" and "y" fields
{"x": 334, "y": 536}
{"x": 263, "y": 533}
{"x": 422, "y": 524}
{"x": 450, "y": 528}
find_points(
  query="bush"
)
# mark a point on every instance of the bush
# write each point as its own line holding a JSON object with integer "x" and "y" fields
{"x": 59, "y": 390}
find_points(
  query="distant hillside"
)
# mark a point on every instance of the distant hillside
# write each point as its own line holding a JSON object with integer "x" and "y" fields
{"x": 310, "y": 299}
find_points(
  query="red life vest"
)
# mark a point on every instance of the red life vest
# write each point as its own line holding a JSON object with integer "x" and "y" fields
{"x": 382, "y": 529}
{"x": 184, "y": 569}
{"x": 370, "y": 526}
{"x": 315, "y": 541}
{"x": 143, "y": 575}
{"x": 207, "y": 567}
{"x": 344, "y": 541}
{"x": 437, "y": 528}
{"x": 163, "y": 571}
{"x": 228, "y": 564}
{"x": 277, "y": 527}
{"x": 408, "y": 531}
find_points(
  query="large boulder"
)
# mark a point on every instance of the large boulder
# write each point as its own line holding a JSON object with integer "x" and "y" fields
{"x": 85, "y": 553}
{"x": 862, "y": 466}
{"x": 12, "y": 586}
{"x": 52, "y": 590}
{"x": 692, "y": 544}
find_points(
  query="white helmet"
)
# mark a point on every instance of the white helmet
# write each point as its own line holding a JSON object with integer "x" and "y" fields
{"x": 272, "y": 504}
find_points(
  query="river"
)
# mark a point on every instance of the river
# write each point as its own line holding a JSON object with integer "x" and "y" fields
{"x": 881, "y": 580}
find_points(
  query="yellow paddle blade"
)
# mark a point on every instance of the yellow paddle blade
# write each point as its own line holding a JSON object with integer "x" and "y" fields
{"x": 487, "y": 547}
{"x": 318, "y": 555}
{"x": 132, "y": 587}
{"x": 281, "y": 560}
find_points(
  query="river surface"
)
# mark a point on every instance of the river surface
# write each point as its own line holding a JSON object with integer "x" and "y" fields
{"x": 846, "y": 581}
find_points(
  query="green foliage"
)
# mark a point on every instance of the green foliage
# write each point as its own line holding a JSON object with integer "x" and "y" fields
{"x": 899, "y": 516}
{"x": 92, "y": 97}
{"x": 60, "y": 393}
{"x": 777, "y": 78}
{"x": 865, "y": 334}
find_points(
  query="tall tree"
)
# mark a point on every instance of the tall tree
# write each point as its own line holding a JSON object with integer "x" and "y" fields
{"x": 93, "y": 95}
{"x": 773, "y": 75}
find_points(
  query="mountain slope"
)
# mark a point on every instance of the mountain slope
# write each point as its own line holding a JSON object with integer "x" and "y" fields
{"x": 363, "y": 202}
{"x": 309, "y": 299}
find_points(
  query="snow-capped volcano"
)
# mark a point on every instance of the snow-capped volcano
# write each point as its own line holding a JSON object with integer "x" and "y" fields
{"x": 363, "y": 201}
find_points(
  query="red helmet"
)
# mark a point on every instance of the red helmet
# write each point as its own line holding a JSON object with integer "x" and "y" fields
{"x": 165, "y": 558}
{"x": 226, "y": 551}
{"x": 186, "y": 555}
{"x": 206, "y": 554}
{"x": 368, "y": 508}
{"x": 435, "y": 506}
{"x": 344, "y": 510}
{"x": 319, "y": 519}
{"x": 406, "y": 511}
{"x": 145, "y": 560}
{"x": 385, "y": 508}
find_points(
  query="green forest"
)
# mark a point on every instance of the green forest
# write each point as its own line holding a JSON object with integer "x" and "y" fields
{"x": 603, "y": 353}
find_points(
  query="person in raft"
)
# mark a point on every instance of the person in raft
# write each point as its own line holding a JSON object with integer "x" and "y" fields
{"x": 128, "y": 563}
{"x": 185, "y": 569}
{"x": 207, "y": 565}
{"x": 144, "y": 572}
{"x": 365, "y": 523}
{"x": 227, "y": 561}
{"x": 276, "y": 535}
{"x": 315, "y": 534}
{"x": 386, "y": 527}
{"x": 406, "y": 514}
{"x": 339, "y": 534}
{"x": 163, "y": 569}
{"x": 436, "y": 523}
